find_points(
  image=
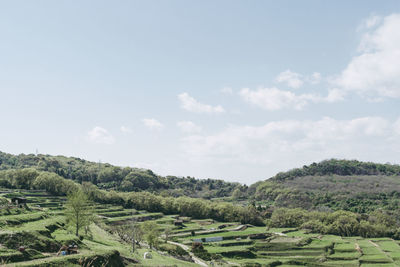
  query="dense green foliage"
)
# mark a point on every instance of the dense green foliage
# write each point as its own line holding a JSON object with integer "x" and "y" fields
{"x": 324, "y": 188}
{"x": 340, "y": 167}
{"x": 79, "y": 210}
{"x": 344, "y": 223}
{"x": 107, "y": 176}
{"x": 333, "y": 185}
{"x": 193, "y": 207}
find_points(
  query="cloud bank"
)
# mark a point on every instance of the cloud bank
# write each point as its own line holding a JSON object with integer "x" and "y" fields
{"x": 99, "y": 135}
{"x": 190, "y": 104}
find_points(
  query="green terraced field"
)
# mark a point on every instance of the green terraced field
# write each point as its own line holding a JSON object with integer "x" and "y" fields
{"x": 43, "y": 229}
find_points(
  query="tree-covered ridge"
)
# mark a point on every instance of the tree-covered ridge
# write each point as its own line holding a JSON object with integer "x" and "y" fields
{"x": 30, "y": 178}
{"x": 339, "y": 167}
{"x": 107, "y": 176}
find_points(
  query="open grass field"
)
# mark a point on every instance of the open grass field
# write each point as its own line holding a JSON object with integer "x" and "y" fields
{"x": 42, "y": 229}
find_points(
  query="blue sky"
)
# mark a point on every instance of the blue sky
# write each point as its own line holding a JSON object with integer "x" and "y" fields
{"x": 235, "y": 90}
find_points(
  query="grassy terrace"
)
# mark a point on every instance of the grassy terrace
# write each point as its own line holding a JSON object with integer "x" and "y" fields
{"x": 137, "y": 217}
{"x": 300, "y": 248}
{"x": 230, "y": 234}
{"x": 43, "y": 230}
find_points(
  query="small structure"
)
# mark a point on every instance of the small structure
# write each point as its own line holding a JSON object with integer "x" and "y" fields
{"x": 178, "y": 222}
{"x": 147, "y": 255}
{"x": 18, "y": 200}
{"x": 184, "y": 219}
{"x": 68, "y": 250}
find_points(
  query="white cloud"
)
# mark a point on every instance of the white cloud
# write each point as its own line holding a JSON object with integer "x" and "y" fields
{"x": 334, "y": 95}
{"x": 190, "y": 104}
{"x": 375, "y": 72}
{"x": 100, "y": 135}
{"x": 293, "y": 139}
{"x": 292, "y": 79}
{"x": 188, "y": 127}
{"x": 314, "y": 78}
{"x": 372, "y": 21}
{"x": 275, "y": 99}
{"x": 125, "y": 130}
{"x": 153, "y": 124}
{"x": 296, "y": 80}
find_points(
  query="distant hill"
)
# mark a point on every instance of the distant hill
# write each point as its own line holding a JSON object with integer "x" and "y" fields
{"x": 328, "y": 185}
{"x": 107, "y": 176}
{"x": 340, "y": 167}
{"x": 332, "y": 185}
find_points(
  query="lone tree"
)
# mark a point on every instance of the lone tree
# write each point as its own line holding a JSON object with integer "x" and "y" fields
{"x": 79, "y": 210}
{"x": 132, "y": 233}
{"x": 167, "y": 233}
{"x": 151, "y": 233}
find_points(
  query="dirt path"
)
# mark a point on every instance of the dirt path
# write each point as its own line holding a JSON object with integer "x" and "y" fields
{"x": 357, "y": 247}
{"x": 378, "y": 247}
{"x": 373, "y": 243}
{"x": 186, "y": 248}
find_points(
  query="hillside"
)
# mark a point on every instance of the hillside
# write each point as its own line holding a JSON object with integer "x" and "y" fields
{"x": 339, "y": 167}
{"x": 333, "y": 184}
{"x": 328, "y": 185}
{"x": 107, "y": 176}
{"x": 322, "y": 217}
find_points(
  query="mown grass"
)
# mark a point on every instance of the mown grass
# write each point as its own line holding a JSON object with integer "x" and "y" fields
{"x": 345, "y": 247}
{"x": 319, "y": 244}
{"x": 376, "y": 258}
{"x": 344, "y": 256}
{"x": 10, "y": 220}
{"x": 38, "y": 225}
{"x": 153, "y": 215}
{"x": 389, "y": 246}
{"x": 244, "y": 233}
{"x": 219, "y": 249}
{"x": 347, "y": 263}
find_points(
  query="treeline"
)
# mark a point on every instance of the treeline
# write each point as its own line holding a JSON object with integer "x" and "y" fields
{"x": 30, "y": 178}
{"x": 340, "y": 167}
{"x": 126, "y": 179}
{"x": 344, "y": 223}
{"x": 357, "y": 200}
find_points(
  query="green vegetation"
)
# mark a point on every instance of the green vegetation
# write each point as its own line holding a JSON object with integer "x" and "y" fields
{"x": 332, "y": 185}
{"x": 79, "y": 210}
{"x": 333, "y": 213}
{"x": 105, "y": 176}
{"x": 340, "y": 167}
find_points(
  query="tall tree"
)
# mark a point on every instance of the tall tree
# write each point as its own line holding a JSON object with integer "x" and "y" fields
{"x": 151, "y": 233}
{"x": 79, "y": 210}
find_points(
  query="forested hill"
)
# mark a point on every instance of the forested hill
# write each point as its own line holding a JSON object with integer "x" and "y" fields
{"x": 108, "y": 176}
{"x": 339, "y": 167}
{"x": 333, "y": 185}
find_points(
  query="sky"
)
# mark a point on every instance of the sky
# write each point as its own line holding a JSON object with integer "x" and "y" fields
{"x": 233, "y": 90}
